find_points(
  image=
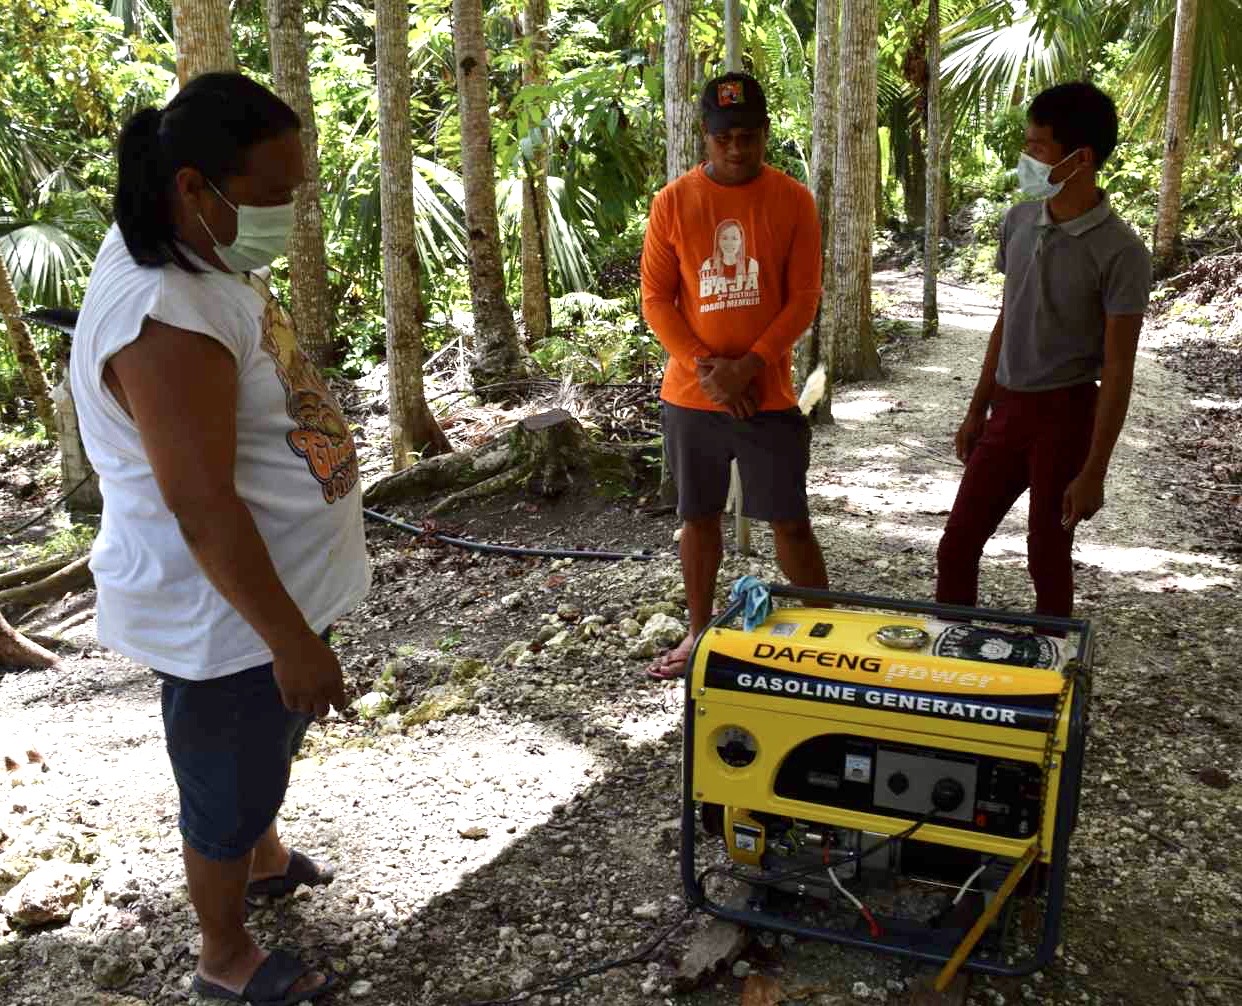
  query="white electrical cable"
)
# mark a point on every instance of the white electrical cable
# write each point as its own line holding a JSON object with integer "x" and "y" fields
{"x": 857, "y": 904}
{"x": 969, "y": 880}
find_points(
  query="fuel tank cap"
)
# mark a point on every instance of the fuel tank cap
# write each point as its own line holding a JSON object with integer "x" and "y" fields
{"x": 902, "y": 637}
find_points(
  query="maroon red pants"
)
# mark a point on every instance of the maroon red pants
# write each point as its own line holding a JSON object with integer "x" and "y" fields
{"x": 1037, "y": 440}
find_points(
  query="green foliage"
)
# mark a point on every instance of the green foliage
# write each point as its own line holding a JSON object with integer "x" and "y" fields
{"x": 598, "y": 341}
{"x": 71, "y": 71}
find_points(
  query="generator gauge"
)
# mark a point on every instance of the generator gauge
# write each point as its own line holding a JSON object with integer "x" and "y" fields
{"x": 737, "y": 747}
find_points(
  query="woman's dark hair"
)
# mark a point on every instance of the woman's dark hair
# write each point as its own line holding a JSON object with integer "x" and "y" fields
{"x": 1079, "y": 115}
{"x": 210, "y": 125}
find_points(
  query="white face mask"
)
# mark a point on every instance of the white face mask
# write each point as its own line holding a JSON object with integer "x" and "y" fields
{"x": 262, "y": 235}
{"x": 1033, "y": 176}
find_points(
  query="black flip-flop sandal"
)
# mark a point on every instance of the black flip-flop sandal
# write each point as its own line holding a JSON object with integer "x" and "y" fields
{"x": 302, "y": 870}
{"x": 270, "y": 985}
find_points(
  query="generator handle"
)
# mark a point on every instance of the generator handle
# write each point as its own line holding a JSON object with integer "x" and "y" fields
{"x": 952, "y": 612}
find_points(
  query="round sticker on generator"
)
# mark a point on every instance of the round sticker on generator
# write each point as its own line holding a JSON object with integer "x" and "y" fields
{"x": 996, "y": 646}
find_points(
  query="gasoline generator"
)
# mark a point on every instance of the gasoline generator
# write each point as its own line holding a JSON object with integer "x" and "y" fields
{"x": 889, "y": 775}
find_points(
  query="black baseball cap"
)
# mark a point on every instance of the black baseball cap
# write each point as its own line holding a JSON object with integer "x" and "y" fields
{"x": 734, "y": 101}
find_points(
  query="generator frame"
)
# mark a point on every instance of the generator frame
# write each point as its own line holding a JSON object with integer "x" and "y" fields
{"x": 1066, "y": 814}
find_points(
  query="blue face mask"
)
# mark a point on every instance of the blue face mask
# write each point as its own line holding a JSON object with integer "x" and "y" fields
{"x": 1033, "y": 176}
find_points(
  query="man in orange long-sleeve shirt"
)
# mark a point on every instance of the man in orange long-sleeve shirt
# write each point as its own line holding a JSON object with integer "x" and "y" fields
{"x": 731, "y": 274}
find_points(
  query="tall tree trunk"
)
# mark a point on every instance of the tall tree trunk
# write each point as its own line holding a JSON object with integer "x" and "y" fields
{"x": 1168, "y": 214}
{"x": 412, "y": 426}
{"x": 680, "y": 115}
{"x": 914, "y": 184}
{"x": 854, "y": 177}
{"x": 201, "y": 35}
{"x": 308, "y": 264}
{"x": 77, "y": 477}
{"x": 536, "y": 298}
{"x": 501, "y": 366}
{"x": 733, "y": 36}
{"x": 27, "y": 356}
{"x": 935, "y": 176}
{"x": 817, "y": 347}
{"x": 681, "y": 133}
{"x": 878, "y": 175}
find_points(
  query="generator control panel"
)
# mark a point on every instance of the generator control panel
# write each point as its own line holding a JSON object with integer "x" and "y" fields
{"x": 995, "y": 796}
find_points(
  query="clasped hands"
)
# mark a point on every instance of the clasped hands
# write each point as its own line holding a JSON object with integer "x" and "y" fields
{"x": 731, "y": 383}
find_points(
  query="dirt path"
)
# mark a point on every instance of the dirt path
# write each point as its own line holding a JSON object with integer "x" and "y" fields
{"x": 534, "y": 833}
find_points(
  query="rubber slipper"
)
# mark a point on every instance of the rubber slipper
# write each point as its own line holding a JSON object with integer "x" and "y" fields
{"x": 669, "y": 668}
{"x": 302, "y": 870}
{"x": 270, "y": 985}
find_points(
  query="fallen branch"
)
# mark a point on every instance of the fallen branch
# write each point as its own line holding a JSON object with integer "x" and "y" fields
{"x": 72, "y": 577}
{"x": 35, "y": 571}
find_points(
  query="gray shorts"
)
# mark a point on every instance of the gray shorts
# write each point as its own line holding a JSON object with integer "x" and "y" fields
{"x": 773, "y": 451}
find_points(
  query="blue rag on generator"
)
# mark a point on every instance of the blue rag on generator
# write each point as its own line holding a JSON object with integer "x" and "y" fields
{"x": 757, "y": 601}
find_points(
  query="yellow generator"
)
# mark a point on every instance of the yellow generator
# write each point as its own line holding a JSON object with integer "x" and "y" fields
{"x": 884, "y": 774}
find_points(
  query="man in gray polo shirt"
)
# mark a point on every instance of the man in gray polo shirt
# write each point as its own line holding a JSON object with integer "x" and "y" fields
{"x": 1076, "y": 286}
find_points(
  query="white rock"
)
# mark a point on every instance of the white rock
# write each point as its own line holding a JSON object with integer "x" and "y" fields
{"x": 361, "y": 989}
{"x": 649, "y": 911}
{"x": 48, "y": 894}
{"x": 511, "y": 601}
{"x": 741, "y": 969}
{"x": 629, "y": 628}
{"x": 861, "y": 990}
{"x": 664, "y": 630}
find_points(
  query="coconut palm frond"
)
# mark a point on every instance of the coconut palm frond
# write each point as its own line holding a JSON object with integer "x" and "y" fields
{"x": 1216, "y": 69}
{"x": 47, "y": 264}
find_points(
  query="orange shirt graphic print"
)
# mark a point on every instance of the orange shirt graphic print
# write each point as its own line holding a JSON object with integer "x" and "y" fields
{"x": 730, "y": 278}
{"x": 322, "y": 437}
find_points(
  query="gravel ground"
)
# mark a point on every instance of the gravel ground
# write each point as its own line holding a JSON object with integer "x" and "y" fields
{"x": 501, "y": 805}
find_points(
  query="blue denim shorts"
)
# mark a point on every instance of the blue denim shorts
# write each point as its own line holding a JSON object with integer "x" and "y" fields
{"x": 231, "y": 742}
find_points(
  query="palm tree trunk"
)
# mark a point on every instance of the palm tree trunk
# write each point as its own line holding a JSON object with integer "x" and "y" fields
{"x": 501, "y": 366}
{"x": 914, "y": 185}
{"x": 878, "y": 202}
{"x": 733, "y": 36}
{"x": 1167, "y": 241}
{"x": 854, "y": 179}
{"x": 201, "y": 34}
{"x": 27, "y": 355}
{"x": 308, "y": 265}
{"x": 817, "y": 346}
{"x": 412, "y": 426}
{"x": 680, "y": 116}
{"x": 935, "y": 176}
{"x": 536, "y": 298}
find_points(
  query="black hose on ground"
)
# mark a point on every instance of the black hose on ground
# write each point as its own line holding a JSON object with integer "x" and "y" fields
{"x": 515, "y": 550}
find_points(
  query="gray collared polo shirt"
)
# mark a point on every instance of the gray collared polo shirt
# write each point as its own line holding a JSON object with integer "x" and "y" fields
{"x": 1061, "y": 281}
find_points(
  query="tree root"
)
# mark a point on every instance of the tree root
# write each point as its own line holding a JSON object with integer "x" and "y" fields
{"x": 18, "y": 651}
{"x": 35, "y": 571}
{"x": 509, "y": 479}
{"x": 546, "y": 454}
{"x": 71, "y": 577}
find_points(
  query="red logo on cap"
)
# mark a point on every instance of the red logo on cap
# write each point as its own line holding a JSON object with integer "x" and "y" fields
{"x": 730, "y": 93}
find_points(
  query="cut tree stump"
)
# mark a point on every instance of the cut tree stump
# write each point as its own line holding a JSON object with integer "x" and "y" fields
{"x": 71, "y": 577}
{"x": 547, "y": 455}
{"x": 18, "y": 651}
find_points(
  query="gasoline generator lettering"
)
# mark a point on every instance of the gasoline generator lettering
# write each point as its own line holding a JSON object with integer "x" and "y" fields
{"x": 741, "y": 677}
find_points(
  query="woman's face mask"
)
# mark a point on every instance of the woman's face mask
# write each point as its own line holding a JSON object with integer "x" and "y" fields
{"x": 262, "y": 235}
{"x": 1033, "y": 176}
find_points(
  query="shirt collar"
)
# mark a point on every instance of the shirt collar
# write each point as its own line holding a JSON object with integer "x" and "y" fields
{"x": 1081, "y": 224}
